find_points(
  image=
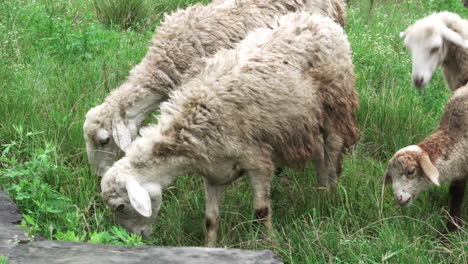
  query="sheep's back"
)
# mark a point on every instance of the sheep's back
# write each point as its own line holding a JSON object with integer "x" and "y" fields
{"x": 455, "y": 117}
{"x": 188, "y": 36}
{"x": 288, "y": 84}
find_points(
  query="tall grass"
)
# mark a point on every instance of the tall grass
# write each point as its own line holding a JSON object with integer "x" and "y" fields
{"x": 57, "y": 61}
{"x": 124, "y": 13}
{"x": 135, "y": 14}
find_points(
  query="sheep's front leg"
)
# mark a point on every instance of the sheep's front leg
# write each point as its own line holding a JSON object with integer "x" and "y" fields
{"x": 213, "y": 200}
{"x": 320, "y": 165}
{"x": 333, "y": 156}
{"x": 261, "y": 182}
{"x": 457, "y": 191}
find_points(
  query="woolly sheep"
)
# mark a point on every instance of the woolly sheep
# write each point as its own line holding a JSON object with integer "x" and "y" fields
{"x": 183, "y": 39}
{"x": 440, "y": 39}
{"x": 441, "y": 157}
{"x": 284, "y": 96}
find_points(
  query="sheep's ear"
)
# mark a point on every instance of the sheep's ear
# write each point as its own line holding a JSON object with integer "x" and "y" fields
{"x": 121, "y": 133}
{"x": 139, "y": 197}
{"x": 429, "y": 169}
{"x": 387, "y": 179}
{"x": 453, "y": 37}
{"x": 403, "y": 34}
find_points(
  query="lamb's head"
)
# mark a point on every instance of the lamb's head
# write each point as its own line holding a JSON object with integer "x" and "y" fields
{"x": 427, "y": 41}
{"x": 132, "y": 186}
{"x": 134, "y": 204}
{"x": 107, "y": 135}
{"x": 411, "y": 172}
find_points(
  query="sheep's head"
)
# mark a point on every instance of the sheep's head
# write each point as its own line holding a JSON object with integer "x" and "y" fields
{"x": 132, "y": 186}
{"x": 106, "y": 136}
{"x": 427, "y": 42}
{"x": 411, "y": 172}
{"x": 134, "y": 204}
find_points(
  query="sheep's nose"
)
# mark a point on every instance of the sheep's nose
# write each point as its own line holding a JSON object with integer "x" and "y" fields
{"x": 145, "y": 233}
{"x": 399, "y": 198}
{"x": 418, "y": 81}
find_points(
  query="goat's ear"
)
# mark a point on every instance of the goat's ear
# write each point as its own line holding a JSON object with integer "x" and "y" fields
{"x": 139, "y": 197}
{"x": 387, "y": 179}
{"x": 121, "y": 133}
{"x": 403, "y": 34}
{"x": 429, "y": 170}
{"x": 453, "y": 37}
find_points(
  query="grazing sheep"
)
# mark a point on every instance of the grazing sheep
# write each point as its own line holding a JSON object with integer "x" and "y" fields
{"x": 183, "y": 39}
{"x": 285, "y": 96}
{"x": 441, "y": 157}
{"x": 440, "y": 39}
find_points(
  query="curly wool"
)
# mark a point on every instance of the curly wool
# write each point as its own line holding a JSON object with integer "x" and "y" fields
{"x": 275, "y": 93}
{"x": 187, "y": 36}
{"x": 177, "y": 53}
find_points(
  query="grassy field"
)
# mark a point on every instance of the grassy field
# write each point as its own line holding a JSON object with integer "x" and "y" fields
{"x": 60, "y": 58}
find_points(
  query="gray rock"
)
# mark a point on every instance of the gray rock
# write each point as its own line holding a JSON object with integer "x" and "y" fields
{"x": 10, "y": 235}
{"x": 16, "y": 245}
{"x": 51, "y": 252}
{"x": 9, "y": 213}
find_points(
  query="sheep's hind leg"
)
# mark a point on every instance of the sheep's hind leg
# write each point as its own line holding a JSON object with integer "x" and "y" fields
{"x": 213, "y": 200}
{"x": 457, "y": 192}
{"x": 261, "y": 185}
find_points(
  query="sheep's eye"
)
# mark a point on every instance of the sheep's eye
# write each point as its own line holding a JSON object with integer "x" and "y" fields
{"x": 120, "y": 207}
{"x": 434, "y": 50}
{"x": 411, "y": 171}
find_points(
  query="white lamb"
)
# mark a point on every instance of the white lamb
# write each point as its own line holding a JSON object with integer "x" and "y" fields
{"x": 183, "y": 40}
{"x": 441, "y": 157}
{"x": 284, "y": 96}
{"x": 440, "y": 39}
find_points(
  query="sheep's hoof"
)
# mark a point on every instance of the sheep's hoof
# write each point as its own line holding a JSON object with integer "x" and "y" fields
{"x": 280, "y": 172}
{"x": 444, "y": 234}
{"x": 210, "y": 244}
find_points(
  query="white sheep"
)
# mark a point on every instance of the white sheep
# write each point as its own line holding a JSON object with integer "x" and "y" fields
{"x": 183, "y": 39}
{"x": 440, "y": 39}
{"x": 285, "y": 96}
{"x": 441, "y": 157}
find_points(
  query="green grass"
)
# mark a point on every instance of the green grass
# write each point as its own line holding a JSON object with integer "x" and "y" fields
{"x": 57, "y": 61}
{"x": 135, "y": 14}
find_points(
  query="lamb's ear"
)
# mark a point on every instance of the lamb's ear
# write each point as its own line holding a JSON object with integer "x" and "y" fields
{"x": 403, "y": 34}
{"x": 121, "y": 133}
{"x": 387, "y": 179}
{"x": 139, "y": 197}
{"x": 453, "y": 37}
{"x": 429, "y": 169}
